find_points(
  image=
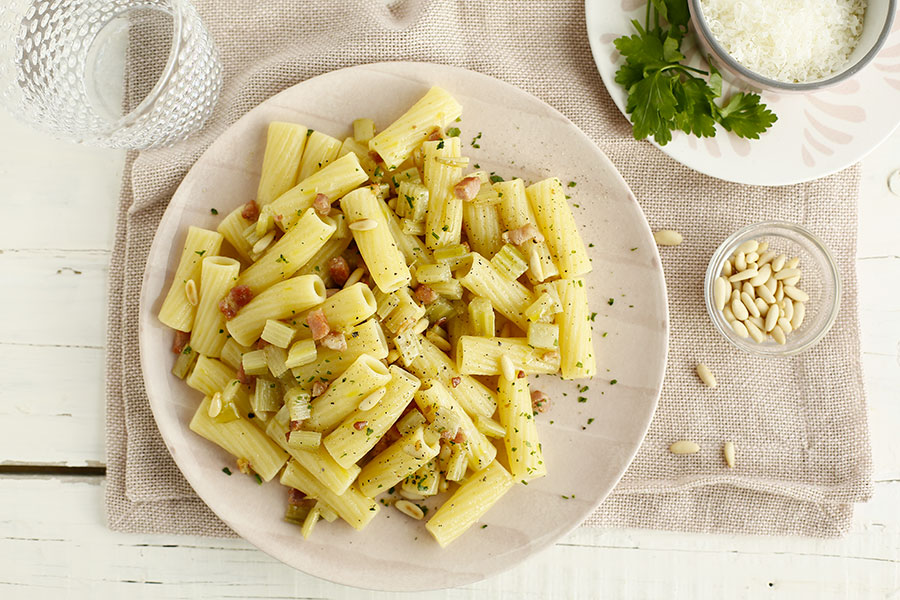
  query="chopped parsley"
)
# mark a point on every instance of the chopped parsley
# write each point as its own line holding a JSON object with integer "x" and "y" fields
{"x": 475, "y": 139}
{"x": 213, "y": 211}
{"x": 611, "y": 301}
{"x": 572, "y": 184}
{"x": 440, "y": 144}
{"x": 259, "y": 480}
{"x": 281, "y": 259}
{"x": 226, "y": 470}
{"x": 200, "y": 252}
{"x": 496, "y": 179}
{"x": 453, "y": 132}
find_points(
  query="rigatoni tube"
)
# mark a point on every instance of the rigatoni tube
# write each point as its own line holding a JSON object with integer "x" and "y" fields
{"x": 482, "y": 355}
{"x": 291, "y": 252}
{"x": 379, "y": 250}
{"x": 436, "y": 109}
{"x": 575, "y": 342}
{"x": 474, "y": 397}
{"x": 362, "y": 429}
{"x": 523, "y": 449}
{"x": 176, "y": 311}
{"x": 278, "y": 302}
{"x": 343, "y": 396}
{"x": 554, "y": 218}
{"x": 351, "y": 506}
{"x": 509, "y": 298}
{"x": 241, "y": 439}
{"x": 469, "y": 503}
{"x": 335, "y": 180}
{"x": 217, "y": 276}
{"x": 397, "y": 461}
{"x": 443, "y": 224}
{"x": 432, "y": 399}
{"x": 320, "y": 150}
{"x": 366, "y": 338}
{"x": 284, "y": 147}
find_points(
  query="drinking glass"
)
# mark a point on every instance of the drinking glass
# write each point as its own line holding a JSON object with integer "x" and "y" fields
{"x": 63, "y": 69}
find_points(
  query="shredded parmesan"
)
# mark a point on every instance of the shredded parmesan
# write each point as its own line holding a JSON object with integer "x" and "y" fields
{"x": 787, "y": 40}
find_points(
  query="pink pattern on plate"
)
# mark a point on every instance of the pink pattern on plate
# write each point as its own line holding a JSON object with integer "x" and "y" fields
{"x": 741, "y": 146}
{"x": 816, "y": 144}
{"x": 838, "y": 137}
{"x": 851, "y": 86}
{"x": 844, "y": 112}
{"x": 890, "y": 52}
{"x": 808, "y": 160}
{"x": 712, "y": 146}
{"x": 894, "y": 83}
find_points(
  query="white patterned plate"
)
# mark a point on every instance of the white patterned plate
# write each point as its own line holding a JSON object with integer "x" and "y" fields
{"x": 587, "y": 445}
{"x": 816, "y": 134}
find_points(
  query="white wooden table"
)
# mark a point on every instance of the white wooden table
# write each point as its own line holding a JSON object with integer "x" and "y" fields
{"x": 56, "y": 233}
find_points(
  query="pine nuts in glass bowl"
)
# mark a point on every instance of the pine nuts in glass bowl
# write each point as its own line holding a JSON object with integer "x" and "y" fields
{"x": 820, "y": 281}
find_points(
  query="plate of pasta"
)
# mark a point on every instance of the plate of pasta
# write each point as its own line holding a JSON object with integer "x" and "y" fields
{"x": 402, "y": 326}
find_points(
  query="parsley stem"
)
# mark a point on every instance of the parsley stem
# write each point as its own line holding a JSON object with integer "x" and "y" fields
{"x": 647, "y": 19}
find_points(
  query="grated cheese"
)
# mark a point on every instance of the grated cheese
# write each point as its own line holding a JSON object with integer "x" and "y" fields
{"x": 787, "y": 40}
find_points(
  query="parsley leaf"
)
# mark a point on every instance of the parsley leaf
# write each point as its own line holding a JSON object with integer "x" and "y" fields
{"x": 665, "y": 95}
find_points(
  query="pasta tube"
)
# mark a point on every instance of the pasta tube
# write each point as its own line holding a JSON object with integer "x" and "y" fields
{"x": 362, "y": 429}
{"x": 436, "y": 109}
{"x": 177, "y": 311}
{"x": 241, "y": 439}
{"x": 523, "y": 450}
{"x": 396, "y": 462}
{"x": 509, "y": 298}
{"x": 432, "y": 399}
{"x": 515, "y": 212}
{"x": 320, "y": 150}
{"x": 482, "y": 223}
{"x": 351, "y": 506}
{"x": 343, "y": 396}
{"x": 386, "y": 263}
{"x": 334, "y": 180}
{"x": 575, "y": 342}
{"x": 290, "y": 253}
{"x": 555, "y": 220}
{"x": 474, "y": 397}
{"x": 217, "y": 276}
{"x": 469, "y": 503}
{"x": 318, "y": 462}
{"x": 232, "y": 229}
{"x": 443, "y": 224}
{"x": 284, "y": 147}
{"x": 366, "y": 338}
{"x": 482, "y": 356}
{"x": 278, "y": 302}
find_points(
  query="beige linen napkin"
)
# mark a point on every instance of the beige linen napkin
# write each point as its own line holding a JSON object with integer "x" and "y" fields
{"x": 799, "y": 424}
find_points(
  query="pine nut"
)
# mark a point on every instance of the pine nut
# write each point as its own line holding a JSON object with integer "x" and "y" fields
{"x": 742, "y": 275}
{"x": 747, "y": 247}
{"x": 762, "y": 276}
{"x": 771, "y": 284}
{"x": 755, "y": 332}
{"x": 765, "y": 293}
{"x": 507, "y": 368}
{"x": 364, "y": 225}
{"x": 779, "y": 292}
{"x": 772, "y": 318}
{"x": 728, "y": 452}
{"x": 792, "y": 280}
{"x": 756, "y": 321}
{"x": 409, "y": 495}
{"x": 763, "y": 307}
{"x": 788, "y": 311}
{"x": 786, "y": 273}
{"x": 729, "y": 316}
{"x": 748, "y": 289}
{"x": 799, "y": 313}
{"x": 778, "y": 262}
{"x": 409, "y": 509}
{"x": 795, "y": 293}
{"x": 354, "y": 277}
{"x": 763, "y": 246}
{"x": 215, "y": 405}
{"x": 737, "y": 307}
{"x": 684, "y": 447}
{"x": 785, "y": 325}
{"x": 727, "y": 268}
{"x": 263, "y": 243}
{"x": 667, "y": 237}
{"x": 706, "y": 375}
{"x": 740, "y": 262}
{"x": 720, "y": 292}
{"x": 748, "y": 303}
{"x": 190, "y": 290}
{"x": 740, "y": 329}
{"x": 765, "y": 258}
{"x": 752, "y": 257}
{"x": 792, "y": 263}
{"x": 372, "y": 400}
{"x": 778, "y": 335}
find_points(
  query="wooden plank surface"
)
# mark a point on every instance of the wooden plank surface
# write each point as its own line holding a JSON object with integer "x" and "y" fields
{"x": 53, "y": 543}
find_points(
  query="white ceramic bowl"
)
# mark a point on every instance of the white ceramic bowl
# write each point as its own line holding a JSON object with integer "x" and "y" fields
{"x": 877, "y": 22}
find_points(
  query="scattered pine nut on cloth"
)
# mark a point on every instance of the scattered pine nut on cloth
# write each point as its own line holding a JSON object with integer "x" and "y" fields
{"x": 799, "y": 423}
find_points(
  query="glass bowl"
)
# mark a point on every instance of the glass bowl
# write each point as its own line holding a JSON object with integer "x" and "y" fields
{"x": 820, "y": 280}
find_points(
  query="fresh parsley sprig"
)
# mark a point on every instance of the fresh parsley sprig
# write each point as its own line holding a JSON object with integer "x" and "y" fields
{"x": 665, "y": 95}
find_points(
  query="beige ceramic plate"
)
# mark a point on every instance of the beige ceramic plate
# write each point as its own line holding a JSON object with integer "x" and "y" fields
{"x": 587, "y": 444}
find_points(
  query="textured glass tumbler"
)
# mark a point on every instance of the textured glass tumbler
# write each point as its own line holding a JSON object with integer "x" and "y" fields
{"x": 62, "y": 69}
